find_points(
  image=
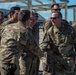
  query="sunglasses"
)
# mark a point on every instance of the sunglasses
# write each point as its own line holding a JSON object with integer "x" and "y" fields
{"x": 54, "y": 18}
{"x": 56, "y": 9}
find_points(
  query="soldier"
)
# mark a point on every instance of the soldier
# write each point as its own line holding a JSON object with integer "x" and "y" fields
{"x": 18, "y": 39}
{"x": 47, "y": 24}
{"x": 13, "y": 16}
{"x": 74, "y": 26}
{"x": 59, "y": 46}
{"x": 35, "y": 27}
{"x": 30, "y": 63}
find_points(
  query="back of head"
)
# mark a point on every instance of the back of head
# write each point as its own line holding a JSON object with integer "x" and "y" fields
{"x": 23, "y": 15}
{"x": 12, "y": 10}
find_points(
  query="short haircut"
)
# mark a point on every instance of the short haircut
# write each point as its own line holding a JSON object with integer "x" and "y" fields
{"x": 59, "y": 14}
{"x": 54, "y": 5}
{"x": 24, "y": 15}
{"x": 12, "y": 10}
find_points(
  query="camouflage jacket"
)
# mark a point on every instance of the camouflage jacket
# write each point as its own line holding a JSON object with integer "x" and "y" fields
{"x": 3, "y": 24}
{"x": 63, "y": 38}
{"x": 16, "y": 38}
{"x": 47, "y": 24}
{"x": 7, "y": 22}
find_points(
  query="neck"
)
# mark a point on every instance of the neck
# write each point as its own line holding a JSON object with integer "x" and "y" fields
{"x": 14, "y": 20}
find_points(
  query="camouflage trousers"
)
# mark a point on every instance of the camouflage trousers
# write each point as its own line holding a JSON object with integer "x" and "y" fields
{"x": 59, "y": 73}
{"x": 4, "y": 70}
{"x": 29, "y": 66}
{"x": 56, "y": 69}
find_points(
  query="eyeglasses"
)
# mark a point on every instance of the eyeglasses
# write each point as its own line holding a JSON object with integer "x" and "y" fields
{"x": 54, "y": 18}
{"x": 56, "y": 9}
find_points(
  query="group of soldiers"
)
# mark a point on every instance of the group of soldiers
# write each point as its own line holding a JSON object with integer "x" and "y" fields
{"x": 60, "y": 38}
{"x": 20, "y": 52}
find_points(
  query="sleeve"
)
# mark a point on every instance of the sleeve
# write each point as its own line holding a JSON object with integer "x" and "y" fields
{"x": 34, "y": 48}
{"x": 45, "y": 45}
{"x": 29, "y": 43}
{"x": 8, "y": 45}
{"x": 46, "y": 25}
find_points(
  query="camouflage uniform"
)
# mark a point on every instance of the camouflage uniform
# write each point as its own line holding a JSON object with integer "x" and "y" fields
{"x": 3, "y": 24}
{"x": 74, "y": 26}
{"x": 18, "y": 39}
{"x": 47, "y": 24}
{"x": 8, "y": 22}
{"x": 58, "y": 45}
{"x": 36, "y": 59}
{"x": 30, "y": 62}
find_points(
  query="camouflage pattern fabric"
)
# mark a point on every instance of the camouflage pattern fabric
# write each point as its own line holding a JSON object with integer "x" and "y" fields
{"x": 8, "y": 22}
{"x": 30, "y": 62}
{"x": 3, "y": 24}
{"x": 46, "y": 25}
{"x": 18, "y": 40}
{"x": 63, "y": 39}
{"x": 74, "y": 26}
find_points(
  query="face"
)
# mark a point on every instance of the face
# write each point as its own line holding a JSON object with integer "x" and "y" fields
{"x": 27, "y": 22}
{"x": 55, "y": 9}
{"x": 9, "y": 16}
{"x": 55, "y": 20}
{"x": 32, "y": 19}
{"x": 15, "y": 15}
{"x": 1, "y": 16}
